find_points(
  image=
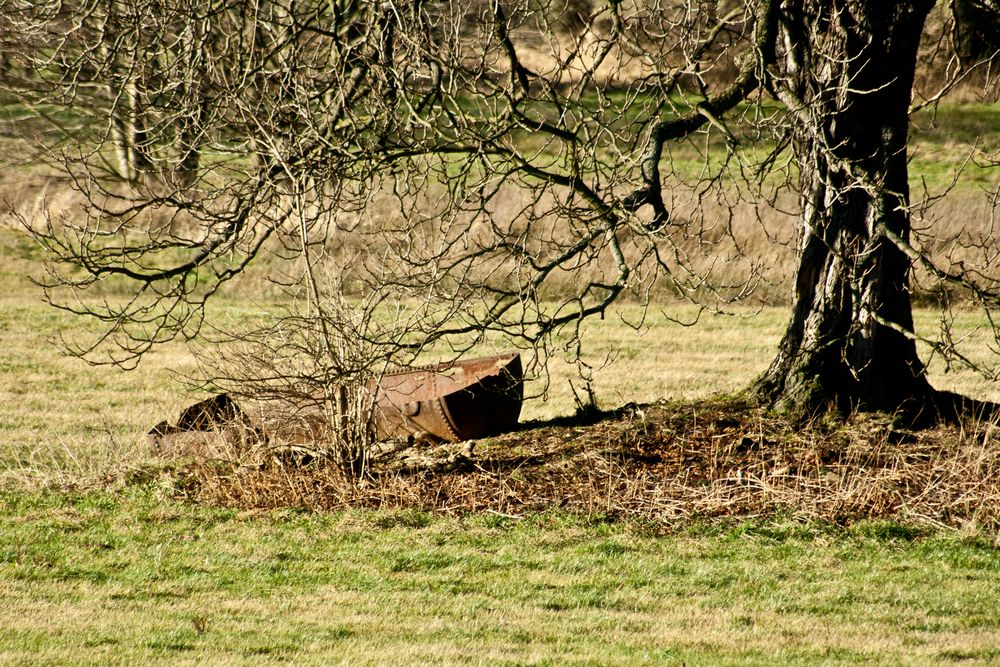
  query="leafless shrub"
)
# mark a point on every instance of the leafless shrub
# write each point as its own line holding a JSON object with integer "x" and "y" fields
{"x": 311, "y": 373}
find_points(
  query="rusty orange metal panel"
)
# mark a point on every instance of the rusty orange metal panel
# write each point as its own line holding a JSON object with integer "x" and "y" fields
{"x": 462, "y": 400}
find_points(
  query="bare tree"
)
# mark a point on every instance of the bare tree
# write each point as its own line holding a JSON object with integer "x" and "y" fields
{"x": 845, "y": 75}
{"x": 480, "y": 168}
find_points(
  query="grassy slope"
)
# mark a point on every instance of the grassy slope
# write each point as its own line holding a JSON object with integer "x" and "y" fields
{"x": 131, "y": 577}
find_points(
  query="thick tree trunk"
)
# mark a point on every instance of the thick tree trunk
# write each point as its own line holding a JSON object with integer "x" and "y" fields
{"x": 845, "y": 74}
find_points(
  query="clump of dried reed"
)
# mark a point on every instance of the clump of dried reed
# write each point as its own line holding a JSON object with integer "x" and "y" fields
{"x": 670, "y": 464}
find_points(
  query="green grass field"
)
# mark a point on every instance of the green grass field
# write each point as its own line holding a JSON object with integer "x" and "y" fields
{"x": 129, "y": 576}
{"x": 103, "y": 561}
{"x": 106, "y": 559}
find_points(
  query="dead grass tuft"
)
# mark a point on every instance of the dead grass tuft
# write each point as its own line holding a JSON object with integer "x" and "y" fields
{"x": 670, "y": 464}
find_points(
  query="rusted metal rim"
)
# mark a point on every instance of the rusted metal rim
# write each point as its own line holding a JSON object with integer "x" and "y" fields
{"x": 463, "y": 400}
{"x": 450, "y": 402}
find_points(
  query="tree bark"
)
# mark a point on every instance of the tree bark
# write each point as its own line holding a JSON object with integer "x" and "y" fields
{"x": 845, "y": 73}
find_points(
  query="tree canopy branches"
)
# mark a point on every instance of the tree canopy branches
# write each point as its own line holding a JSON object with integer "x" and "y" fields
{"x": 476, "y": 167}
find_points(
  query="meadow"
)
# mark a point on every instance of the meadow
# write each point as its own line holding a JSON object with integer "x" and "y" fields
{"x": 105, "y": 558}
{"x": 109, "y": 555}
{"x": 130, "y": 576}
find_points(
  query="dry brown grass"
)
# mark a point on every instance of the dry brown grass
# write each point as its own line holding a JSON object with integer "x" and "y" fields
{"x": 722, "y": 239}
{"x": 669, "y": 464}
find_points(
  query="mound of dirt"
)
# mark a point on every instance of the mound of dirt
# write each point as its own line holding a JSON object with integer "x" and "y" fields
{"x": 667, "y": 463}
